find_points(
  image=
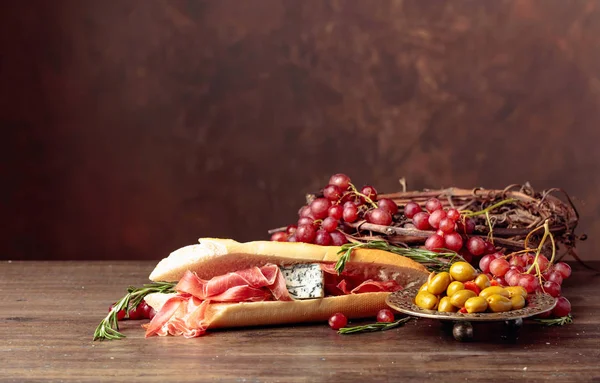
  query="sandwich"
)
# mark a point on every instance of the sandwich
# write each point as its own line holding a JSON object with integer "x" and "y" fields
{"x": 221, "y": 283}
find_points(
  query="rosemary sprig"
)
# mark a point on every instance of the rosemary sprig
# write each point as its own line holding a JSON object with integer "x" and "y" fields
{"x": 109, "y": 327}
{"x": 379, "y": 326}
{"x": 433, "y": 261}
{"x": 556, "y": 321}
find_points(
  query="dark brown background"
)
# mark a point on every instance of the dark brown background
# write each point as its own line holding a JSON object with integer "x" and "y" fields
{"x": 130, "y": 128}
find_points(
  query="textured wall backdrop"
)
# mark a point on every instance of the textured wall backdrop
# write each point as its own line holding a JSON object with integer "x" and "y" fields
{"x": 130, "y": 128}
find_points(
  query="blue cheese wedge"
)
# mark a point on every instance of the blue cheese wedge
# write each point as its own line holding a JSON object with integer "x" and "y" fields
{"x": 304, "y": 281}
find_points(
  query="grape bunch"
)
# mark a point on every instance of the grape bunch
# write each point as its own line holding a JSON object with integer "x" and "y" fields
{"x": 322, "y": 221}
{"x": 451, "y": 230}
{"x": 534, "y": 275}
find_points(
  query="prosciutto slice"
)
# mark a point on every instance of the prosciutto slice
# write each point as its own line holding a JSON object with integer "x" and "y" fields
{"x": 346, "y": 283}
{"x": 185, "y": 313}
{"x": 250, "y": 285}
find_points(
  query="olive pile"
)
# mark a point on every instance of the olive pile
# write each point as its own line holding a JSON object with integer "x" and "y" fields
{"x": 461, "y": 289}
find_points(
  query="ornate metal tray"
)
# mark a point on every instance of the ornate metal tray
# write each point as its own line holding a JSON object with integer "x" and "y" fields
{"x": 403, "y": 301}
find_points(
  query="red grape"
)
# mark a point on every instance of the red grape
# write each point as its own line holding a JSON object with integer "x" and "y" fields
{"x": 453, "y": 214}
{"x": 332, "y": 192}
{"x": 323, "y": 238}
{"x": 120, "y": 315}
{"x": 337, "y": 238}
{"x": 329, "y": 224}
{"x": 292, "y": 238}
{"x": 440, "y": 233}
{"x": 436, "y": 217}
{"x": 543, "y": 262}
{"x": 306, "y": 233}
{"x": 411, "y": 208}
{"x": 499, "y": 267}
{"x": 145, "y": 308}
{"x": 520, "y": 269}
{"x": 476, "y": 246}
{"x": 336, "y": 212}
{"x": 388, "y": 205}
{"x": 466, "y": 227}
{"x": 350, "y": 214}
{"x": 529, "y": 282}
{"x": 544, "y": 315}
{"x": 453, "y": 241}
{"x": 564, "y": 269}
{"x": 433, "y": 204}
{"x": 340, "y": 180}
{"x": 484, "y": 263}
{"x": 528, "y": 258}
{"x": 379, "y": 217}
{"x": 320, "y": 207}
{"x": 512, "y": 277}
{"x": 489, "y": 248}
{"x": 305, "y": 212}
{"x": 349, "y": 203}
{"x": 337, "y": 321}
{"x": 291, "y": 229}
{"x": 370, "y": 192}
{"x": 447, "y": 225}
{"x": 307, "y": 221}
{"x": 385, "y": 316}
{"x": 138, "y": 312}
{"x": 467, "y": 257}
{"x": 434, "y": 243}
{"x": 562, "y": 308}
{"x": 517, "y": 261}
{"x": 421, "y": 221}
{"x": 555, "y": 276}
{"x": 552, "y": 288}
{"x": 280, "y": 236}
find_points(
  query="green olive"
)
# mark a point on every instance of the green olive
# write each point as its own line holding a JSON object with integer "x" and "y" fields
{"x": 446, "y": 306}
{"x": 462, "y": 271}
{"x": 476, "y": 305}
{"x": 516, "y": 290}
{"x": 482, "y": 281}
{"x": 459, "y": 298}
{"x": 517, "y": 302}
{"x": 426, "y": 300}
{"x": 499, "y": 290}
{"x": 454, "y": 287}
{"x": 499, "y": 303}
{"x": 438, "y": 284}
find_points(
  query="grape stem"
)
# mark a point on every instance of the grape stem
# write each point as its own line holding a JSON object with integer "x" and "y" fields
{"x": 367, "y": 199}
{"x": 536, "y": 266}
{"x": 469, "y": 213}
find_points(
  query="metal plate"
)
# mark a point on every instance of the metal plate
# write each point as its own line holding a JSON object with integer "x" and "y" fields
{"x": 403, "y": 301}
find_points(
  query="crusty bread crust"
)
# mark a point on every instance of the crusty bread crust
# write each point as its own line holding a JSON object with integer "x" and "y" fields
{"x": 213, "y": 257}
{"x": 224, "y": 315}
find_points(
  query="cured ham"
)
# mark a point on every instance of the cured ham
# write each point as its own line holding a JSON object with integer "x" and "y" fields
{"x": 250, "y": 285}
{"x": 348, "y": 283}
{"x": 185, "y": 314}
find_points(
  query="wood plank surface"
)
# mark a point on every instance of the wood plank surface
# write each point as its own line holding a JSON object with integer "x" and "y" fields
{"x": 50, "y": 310}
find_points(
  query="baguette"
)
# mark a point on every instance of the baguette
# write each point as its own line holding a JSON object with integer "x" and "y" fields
{"x": 213, "y": 257}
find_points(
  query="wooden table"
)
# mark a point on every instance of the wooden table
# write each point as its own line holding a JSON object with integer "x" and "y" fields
{"x": 50, "y": 310}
